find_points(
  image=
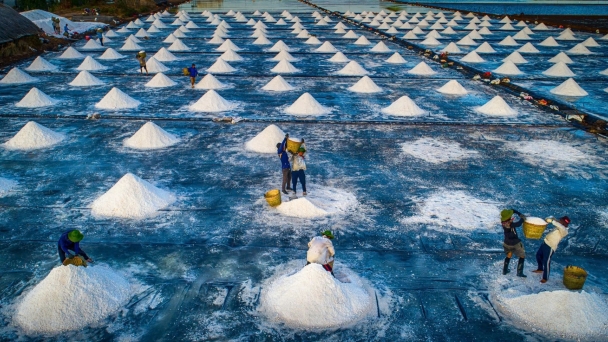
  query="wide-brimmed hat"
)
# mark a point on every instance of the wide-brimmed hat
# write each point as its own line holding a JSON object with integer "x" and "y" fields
{"x": 75, "y": 235}
{"x": 328, "y": 234}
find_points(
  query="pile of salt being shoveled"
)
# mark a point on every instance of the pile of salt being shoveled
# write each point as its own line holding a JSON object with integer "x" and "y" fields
{"x": 278, "y": 83}
{"x": 150, "y": 137}
{"x": 35, "y": 99}
{"x": 313, "y": 299}
{"x": 33, "y": 136}
{"x": 404, "y": 106}
{"x": 266, "y": 141}
{"x": 131, "y": 198}
{"x": 496, "y": 107}
{"x": 436, "y": 151}
{"x": 437, "y": 211}
{"x": 6, "y": 185}
{"x": 71, "y": 298}
{"x": 116, "y": 99}
{"x": 17, "y": 76}
{"x": 365, "y": 85}
{"x": 212, "y": 102}
{"x": 306, "y": 104}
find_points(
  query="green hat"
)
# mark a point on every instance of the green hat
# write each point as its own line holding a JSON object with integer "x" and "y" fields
{"x": 506, "y": 214}
{"x": 301, "y": 149}
{"x": 75, "y": 235}
{"x": 328, "y": 234}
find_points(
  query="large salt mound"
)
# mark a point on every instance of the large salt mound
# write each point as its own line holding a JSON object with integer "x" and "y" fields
{"x": 164, "y": 55}
{"x": 71, "y": 53}
{"x": 561, "y": 57}
{"x": 362, "y": 41}
{"x": 550, "y": 41}
{"x": 279, "y": 46}
{"x": 559, "y": 69}
{"x": 212, "y": 102}
{"x": 404, "y": 106}
{"x": 380, "y": 47}
{"x": 178, "y": 45}
{"x": 150, "y": 137}
{"x": 313, "y": 299}
{"x": 339, "y": 57}
{"x": 301, "y": 208}
{"x": 307, "y": 105}
{"x": 472, "y": 57}
{"x": 365, "y": 85}
{"x": 131, "y": 198}
{"x": 85, "y": 79}
{"x": 220, "y": 67}
{"x": 17, "y": 76}
{"x": 41, "y": 64}
{"x": 278, "y": 83}
{"x": 436, "y": 151}
{"x": 421, "y": 69}
{"x": 528, "y": 48}
{"x": 210, "y": 82}
{"x": 266, "y": 140}
{"x": 396, "y": 58}
{"x": 496, "y": 107}
{"x": 116, "y": 99}
{"x": 111, "y": 54}
{"x": 579, "y": 49}
{"x": 508, "y": 68}
{"x": 485, "y": 48}
{"x": 33, "y": 136}
{"x": 90, "y": 64}
{"x": 327, "y": 47}
{"x": 92, "y": 44}
{"x": 153, "y": 65}
{"x": 231, "y": 56}
{"x": 228, "y": 45}
{"x": 71, "y": 298}
{"x": 284, "y": 55}
{"x": 35, "y": 98}
{"x": 284, "y": 67}
{"x": 516, "y": 58}
{"x": 569, "y": 88}
{"x": 160, "y": 80}
{"x": 352, "y": 69}
{"x": 451, "y": 48}
{"x": 130, "y": 45}
{"x": 453, "y": 88}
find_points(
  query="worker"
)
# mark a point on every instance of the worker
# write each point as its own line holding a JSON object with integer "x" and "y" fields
{"x": 141, "y": 57}
{"x": 512, "y": 243}
{"x": 193, "y": 73}
{"x": 549, "y": 245}
{"x": 285, "y": 166}
{"x": 100, "y": 36}
{"x": 321, "y": 251}
{"x": 298, "y": 168}
{"x": 70, "y": 241}
{"x": 66, "y": 30}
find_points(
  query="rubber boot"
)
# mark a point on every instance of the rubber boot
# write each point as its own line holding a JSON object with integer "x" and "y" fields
{"x": 520, "y": 268}
{"x": 505, "y": 268}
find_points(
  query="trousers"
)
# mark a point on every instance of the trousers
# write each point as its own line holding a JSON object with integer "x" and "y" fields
{"x": 286, "y": 178}
{"x": 543, "y": 258}
{"x": 295, "y": 175}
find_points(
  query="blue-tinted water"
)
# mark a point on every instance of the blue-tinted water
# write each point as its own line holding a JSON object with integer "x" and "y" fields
{"x": 584, "y": 8}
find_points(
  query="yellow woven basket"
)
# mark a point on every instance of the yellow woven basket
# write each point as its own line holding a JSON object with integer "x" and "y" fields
{"x": 293, "y": 146}
{"x": 273, "y": 197}
{"x": 574, "y": 277}
{"x": 76, "y": 261}
{"x": 533, "y": 231}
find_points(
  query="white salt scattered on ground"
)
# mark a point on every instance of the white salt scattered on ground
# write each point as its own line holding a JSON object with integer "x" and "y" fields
{"x": 71, "y": 298}
{"x": 365, "y": 85}
{"x": 111, "y": 54}
{"x": 85, "y": 79}
{"x": 569, "y": 88}
{"x": 548, "y": 152}
{"x": 421, "y": 69}
{"x": 266, "y": 141}
{"x": 17, "y": 76}
{"x": 457, "y": 210}
{"x": 33, "y": 136}
{"x": 116, "y": 99}
{"x": 313, "y": 299}
{"x": 6, "y": 185}
{"x": 71, "y": 53}
{"x": 352, "y": 69}
{"x": 306, "y": 104}
{"x": 41, "y": 64}
{"x": 404, "y": 106}
{"x": 453, "y": 88}
{"x": 496, "y": 107}
{"x": 131, "y": 198}
{"x": 160, "y": 80}
{"x": 150, "y": 137}
{"x": 278, "y": 83}
{"x": 36, "y": 98}
{"x": 212, "y": 102}
{"x": 436, "y": 151}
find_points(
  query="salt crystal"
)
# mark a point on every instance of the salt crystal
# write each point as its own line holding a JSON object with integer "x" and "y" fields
{"x": 559, "y": 69}
{"x": 453, "y": 88}
{"x": 41, "y": 64}
{"x": 365, "y": 85}
{"x": 497, "y": 107}
{"x": 352, "y": 69}
{"x": 307, "y": 105}
{"x": 436, "y": 151}
{"x": 301, "y": 208}
{"x": 71, "y": 53}
{"x": 569, "y": 88}
{"x": 160, "y": 80}
{"x": 85, "y": 79}
{"x": 36, "y": 98}
{"x": 33, "y": 136}
{"x": 278, "y": 83}
{"x": 404, "y": 106}
{"x": 421, "y": 69}
{"x": 17, "y": 76}
{"x": 116, "y": 99}
{"x": 90, "y": 64}
{"x": 210, "y": 82}
{"x": 212, "y": 102}
{"x": 150, "y": 137}
{"x": 266, "y": 140}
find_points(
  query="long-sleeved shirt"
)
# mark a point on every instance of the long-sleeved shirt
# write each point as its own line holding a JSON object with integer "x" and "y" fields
{"x": 320, "y": 250}
{"x": 66, "y": 244}
{"x": 297, "y": 163}
{"x": 510, "y": 232}
{"x": 554, "y": 237}
{"x": 193, "y": 72}
{"x": 282, "y": 152}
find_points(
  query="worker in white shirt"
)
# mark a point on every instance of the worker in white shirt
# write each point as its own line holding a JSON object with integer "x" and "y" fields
{"x": 549, "y": 245}
{"x": 321, "y": 251}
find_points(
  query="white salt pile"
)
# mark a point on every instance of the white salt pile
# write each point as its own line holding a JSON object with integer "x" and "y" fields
{"x": 472, "y": 57}
{"x": 421, "y": 69}
{"x": 212, "y": 102}
{"x": 550, "y": 41}
{"x": 178, "y": 45}
{"x": 262, "y": 40}
{"x": 160, "y": 80}
{"x": 485, "y": 48}
{"x": 362, "y": 41}
{"x": 90, "y": 64}
{"x": 352, "y": 69}
{"x": 153, "y": 65}
{"x": 396, "y": 58}
{"x": 220, "y": 67}
{"x": 153, "y": 29}
{"x": 210, "y": 82}
{"x": 301, "y": 300}
{"x": 111, "y": 54}
{"x": 278, "y": 83}
{"x": 231, "y": 56}
{"x": 496, "y": 107}
{"x": 437, "y": 211}
{"x": 451, "y": 48}
{"x": 453, "y": 88}
{"x": 284, "y": 67}
{"x": 508, "y": 68}
{"x": 561, "y": 57}
{"x": 6, "y": 185}
{"x": 228, "y": 45}
{"x": 436, "y": 151}
{"x": 301, "y": 208}
{"x": 579, "y": 49}
{"x": 116, "y": 99}
{"x": 365, "y": 85}
{"x": 313, "y": 41}
{"x": 164, "y": 55}
{"x": 71, "y": 53}
{"x": 350, "y": 35}
{"x": 130, "y": 46}
{"x": 380, "y": 47}
{"x": 516, "y": 58}
{"x": 559, "y": 69}
{"x": 150, "y": 137}
{"x": 266, "y": 140}
{"x": 41, "y": 64}
{"x": 36, "y": 98}
{"x": 404, "y": 106}
{"x": 508, "y": 41}
{"x": 131, "y": 198}
{"x": 467, "y": 41}
{"x": 528, "y": 48}
{"x": 306, "y": 104}
{"x": 33, "y": 136}
{"x": 85, "y": 79}
{"x": 71, "y": 298}
{"x": 326, "y": 47}
{"x": 569, "y": 88}
{"x": 170, "y": 39}
{"x": 279, "y": 46}
{"x": 430, "y": 42}
{"x": 92, "y": 45}
{"x": 590, "y": 42}
{"x": 339, "y": 57}
{"x": 17, "y": 76}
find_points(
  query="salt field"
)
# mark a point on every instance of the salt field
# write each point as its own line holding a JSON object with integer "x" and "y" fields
{"x": 409, "y": 164}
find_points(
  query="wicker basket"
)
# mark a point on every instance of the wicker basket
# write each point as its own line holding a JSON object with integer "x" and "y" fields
{"x": 533, "y": 231}
{"x": 273, "y": 197}
{"x": 76, "y": 261}
{"x": 574, "y": 277}
{"x": 293, "y": 146}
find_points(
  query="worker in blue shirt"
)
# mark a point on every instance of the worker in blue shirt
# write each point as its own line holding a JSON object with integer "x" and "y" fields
{"x": 193, "y": 73}
{"x": 284, "y": 156}
{"x": 69, "y": 245}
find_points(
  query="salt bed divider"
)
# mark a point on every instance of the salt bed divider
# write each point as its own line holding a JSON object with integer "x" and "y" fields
{"x": 469, "y": 71}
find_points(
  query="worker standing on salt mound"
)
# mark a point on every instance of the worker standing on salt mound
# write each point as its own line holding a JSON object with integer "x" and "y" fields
{"x": 285, "y": 166}
{"x": 512, "y": 243}
{"x": 549, "y": 246}
{"x": 141, "y": 57}
{"x": 298, "y": 168}
{"x": 193, "y": 73}
{"x": 70, "y": 241}
{"x": 321, "y": 251}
